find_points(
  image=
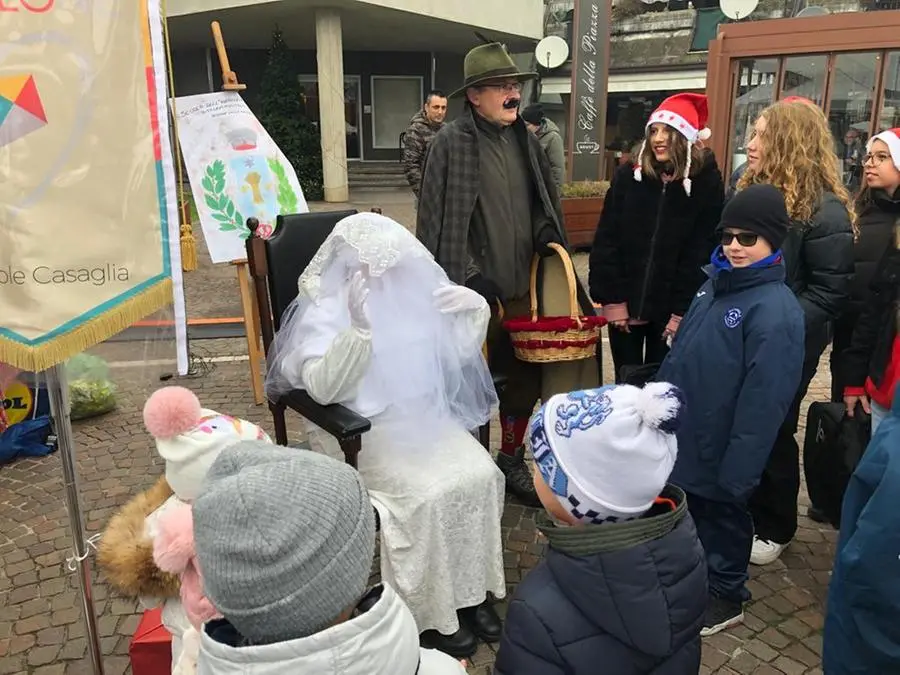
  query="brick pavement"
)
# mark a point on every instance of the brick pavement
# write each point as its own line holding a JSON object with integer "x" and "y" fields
{"x": 41, "y": 628}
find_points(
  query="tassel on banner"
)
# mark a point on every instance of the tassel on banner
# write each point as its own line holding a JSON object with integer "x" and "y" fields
{"x": 188, "y": 241}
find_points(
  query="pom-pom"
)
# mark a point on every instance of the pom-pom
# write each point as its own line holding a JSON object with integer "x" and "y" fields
{"x": 173, "y": 548}
{"x": 687, "y": 186}
{"x": 704, "y": 134}
{"x": 637, "y": 173}
{"x": 171, "y": 411}
{"x": 660, "y": 405}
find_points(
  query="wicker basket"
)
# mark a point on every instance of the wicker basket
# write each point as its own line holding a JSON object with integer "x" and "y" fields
{"x": 551, "y": 339}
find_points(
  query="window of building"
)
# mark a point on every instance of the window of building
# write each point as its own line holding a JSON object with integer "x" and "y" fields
{"x": 889, "y": 118}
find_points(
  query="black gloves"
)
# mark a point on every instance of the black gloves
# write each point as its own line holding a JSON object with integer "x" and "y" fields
{"x": 485, "y": 288}
{"x": 547, "y": 235}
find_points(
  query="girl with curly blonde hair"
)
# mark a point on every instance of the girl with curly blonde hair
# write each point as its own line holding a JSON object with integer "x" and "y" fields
{"x": 792, "y": 149}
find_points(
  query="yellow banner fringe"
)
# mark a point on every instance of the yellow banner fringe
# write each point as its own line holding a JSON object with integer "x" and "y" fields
{"x": 95, "y": 331}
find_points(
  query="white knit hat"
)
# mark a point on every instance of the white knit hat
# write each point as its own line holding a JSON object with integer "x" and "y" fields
{"x": 891, "y": 138}
{"x": 607, "y": 453}
{"x": 190, "y": 437}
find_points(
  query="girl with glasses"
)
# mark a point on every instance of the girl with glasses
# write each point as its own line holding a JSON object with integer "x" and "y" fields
{"x": 871, "y": 364}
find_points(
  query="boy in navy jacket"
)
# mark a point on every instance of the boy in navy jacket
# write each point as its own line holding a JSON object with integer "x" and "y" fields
{"x": 737, "y": 357}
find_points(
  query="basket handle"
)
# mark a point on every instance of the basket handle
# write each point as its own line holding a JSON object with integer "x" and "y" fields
{"x": 570, "y": 278}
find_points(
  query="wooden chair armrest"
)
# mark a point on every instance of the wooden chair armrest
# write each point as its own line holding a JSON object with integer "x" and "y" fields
{"x": 340, "y": 422}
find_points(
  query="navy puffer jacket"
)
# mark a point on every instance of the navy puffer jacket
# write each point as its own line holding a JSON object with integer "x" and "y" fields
{"x": 619, "y": 598}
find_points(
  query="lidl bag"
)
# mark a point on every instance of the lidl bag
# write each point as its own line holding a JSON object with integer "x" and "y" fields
{"x": 25, "y": 429}
{"x": 91, "y": 392}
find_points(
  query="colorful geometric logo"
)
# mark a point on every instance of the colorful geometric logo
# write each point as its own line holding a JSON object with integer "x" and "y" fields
{"x": 21, "y": 110}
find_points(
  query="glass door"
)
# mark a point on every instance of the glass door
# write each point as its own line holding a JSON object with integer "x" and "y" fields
{"x": 309, "y": 100}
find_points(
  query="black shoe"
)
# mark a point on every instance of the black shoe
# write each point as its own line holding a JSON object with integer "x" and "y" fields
{"x": 721, "y": 615}
{"x": 461, "y": 645}
{"x": 483, "y": 621}
{"x": 818, "y": 515}
{"x": 519, "y": 482}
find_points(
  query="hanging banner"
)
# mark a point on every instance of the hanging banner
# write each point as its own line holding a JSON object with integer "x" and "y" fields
{"x": 88, "y": 218}
{"x": 236, "y": 171}
{"x": 590, "y": 75}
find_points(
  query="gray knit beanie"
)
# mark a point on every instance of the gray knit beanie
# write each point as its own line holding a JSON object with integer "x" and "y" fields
{"x": 285, "y": 540}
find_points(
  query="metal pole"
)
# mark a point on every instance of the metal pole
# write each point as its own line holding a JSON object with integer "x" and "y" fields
{"x": 58, "y": 391}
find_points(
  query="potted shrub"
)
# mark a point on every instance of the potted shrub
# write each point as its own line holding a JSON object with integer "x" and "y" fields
{"x": 582, "y": 203}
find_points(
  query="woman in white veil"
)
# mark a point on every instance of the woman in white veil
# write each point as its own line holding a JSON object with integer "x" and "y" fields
{"x": 378, "y": 327}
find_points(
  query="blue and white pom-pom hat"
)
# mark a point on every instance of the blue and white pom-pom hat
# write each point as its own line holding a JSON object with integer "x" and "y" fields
{"x": 607, "y": 453}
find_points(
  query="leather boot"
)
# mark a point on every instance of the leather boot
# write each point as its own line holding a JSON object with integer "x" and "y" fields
{"x": 461, "y": 645}
{"x": 483, "y": 621}
{"x": 519, "y": 482}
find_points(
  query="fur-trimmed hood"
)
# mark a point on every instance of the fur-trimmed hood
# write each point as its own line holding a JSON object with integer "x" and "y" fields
{"x": 125, "y": 553}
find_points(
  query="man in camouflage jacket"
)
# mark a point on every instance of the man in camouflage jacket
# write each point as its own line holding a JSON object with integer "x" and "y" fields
{"x": 422, "y": 129}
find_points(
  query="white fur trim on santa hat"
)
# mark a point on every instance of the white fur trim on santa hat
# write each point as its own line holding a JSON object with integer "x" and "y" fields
{"x": 891, "y": 138}
{"x": 607, "y": 453}
{"x": 189, "y": 455}
{"x": 677, "y": 122}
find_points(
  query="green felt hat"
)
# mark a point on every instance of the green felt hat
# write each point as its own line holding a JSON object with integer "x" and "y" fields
{"x": 489, "y": 62}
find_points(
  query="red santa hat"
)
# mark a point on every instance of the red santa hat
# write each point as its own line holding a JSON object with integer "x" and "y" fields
{"x": 798, "y": 99}
{"x": 687, "y": 114}
{"x": 891, "y": 138}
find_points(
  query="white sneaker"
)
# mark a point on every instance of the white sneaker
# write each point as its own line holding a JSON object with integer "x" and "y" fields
{"x": 764, "y": 551}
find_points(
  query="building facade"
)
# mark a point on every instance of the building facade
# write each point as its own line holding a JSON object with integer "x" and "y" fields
{"x": 363, "y": 66}
{"x": 661, "y": 48}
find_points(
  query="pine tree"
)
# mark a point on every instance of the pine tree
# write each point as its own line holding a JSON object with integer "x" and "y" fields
{"x": 281, "y": 113}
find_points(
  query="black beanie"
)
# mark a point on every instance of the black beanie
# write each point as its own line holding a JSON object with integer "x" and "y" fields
{"x": 759, "y": 208}
{"x": 533, "y": 114}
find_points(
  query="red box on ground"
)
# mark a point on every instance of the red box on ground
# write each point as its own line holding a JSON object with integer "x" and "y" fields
{"x": 151, "y": 646}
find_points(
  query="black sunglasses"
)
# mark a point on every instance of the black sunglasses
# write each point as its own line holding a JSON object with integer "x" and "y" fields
{"x": 743, "y": 238}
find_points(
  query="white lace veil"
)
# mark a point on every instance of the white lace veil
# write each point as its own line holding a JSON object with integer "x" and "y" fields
{"x": 426, "y": 367}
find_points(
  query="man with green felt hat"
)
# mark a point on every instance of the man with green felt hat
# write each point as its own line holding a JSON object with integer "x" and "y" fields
{"x": 487, "y": 204}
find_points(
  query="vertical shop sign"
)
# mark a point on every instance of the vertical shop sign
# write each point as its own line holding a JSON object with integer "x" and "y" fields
{"x": 590, "y": 74}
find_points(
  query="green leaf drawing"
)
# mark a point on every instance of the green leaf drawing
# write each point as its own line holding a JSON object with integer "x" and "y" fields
{"x": 287, "y": 198}
{"x": 221, "y": 207}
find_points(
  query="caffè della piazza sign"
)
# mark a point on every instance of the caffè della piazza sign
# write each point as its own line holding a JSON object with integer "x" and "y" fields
{"x": 590, "y": 67}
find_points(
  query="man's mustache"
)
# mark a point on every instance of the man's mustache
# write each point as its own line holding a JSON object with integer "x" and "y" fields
{"x": 511, "y": 103}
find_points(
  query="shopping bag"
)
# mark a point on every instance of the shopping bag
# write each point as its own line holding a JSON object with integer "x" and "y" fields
{"x": 832, "y": 447}
{"x": 91, "y": 392}
{"x": 25, "y": 429}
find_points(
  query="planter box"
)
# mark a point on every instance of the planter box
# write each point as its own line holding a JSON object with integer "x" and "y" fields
{"x": 580, "y": 216}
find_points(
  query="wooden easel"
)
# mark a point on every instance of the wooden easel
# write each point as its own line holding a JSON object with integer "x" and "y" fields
{"x": 248, "y": 297}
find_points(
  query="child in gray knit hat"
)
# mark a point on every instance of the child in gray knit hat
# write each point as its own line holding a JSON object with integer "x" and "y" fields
{"x": 285, "y": 539}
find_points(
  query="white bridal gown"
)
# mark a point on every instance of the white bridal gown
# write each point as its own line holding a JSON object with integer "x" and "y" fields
{"x": 439, "y": 494}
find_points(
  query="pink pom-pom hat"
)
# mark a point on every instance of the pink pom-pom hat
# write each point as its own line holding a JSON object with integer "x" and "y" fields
{"x": 190, "y": 437}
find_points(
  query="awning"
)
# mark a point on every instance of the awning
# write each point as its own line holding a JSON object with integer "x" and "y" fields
{"x": 630, "y": 83}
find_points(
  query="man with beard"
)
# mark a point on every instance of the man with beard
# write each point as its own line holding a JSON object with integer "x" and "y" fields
{"x": 422, "y": 129}
{"x": 487, "y": 204}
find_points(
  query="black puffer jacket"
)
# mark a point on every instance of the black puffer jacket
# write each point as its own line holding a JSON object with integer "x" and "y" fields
{"x": 873, "y": 336}
{"x": 818, "y": 258}
{"x": 876, "y": 231}
{"x": 653, "y": 240}
{"x": 620, "y": 598}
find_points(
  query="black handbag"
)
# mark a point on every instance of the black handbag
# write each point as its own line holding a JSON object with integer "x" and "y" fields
{"x": 833, "y": 445}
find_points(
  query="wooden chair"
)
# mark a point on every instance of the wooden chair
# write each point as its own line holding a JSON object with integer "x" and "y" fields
{"x": 275, "y": 264}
